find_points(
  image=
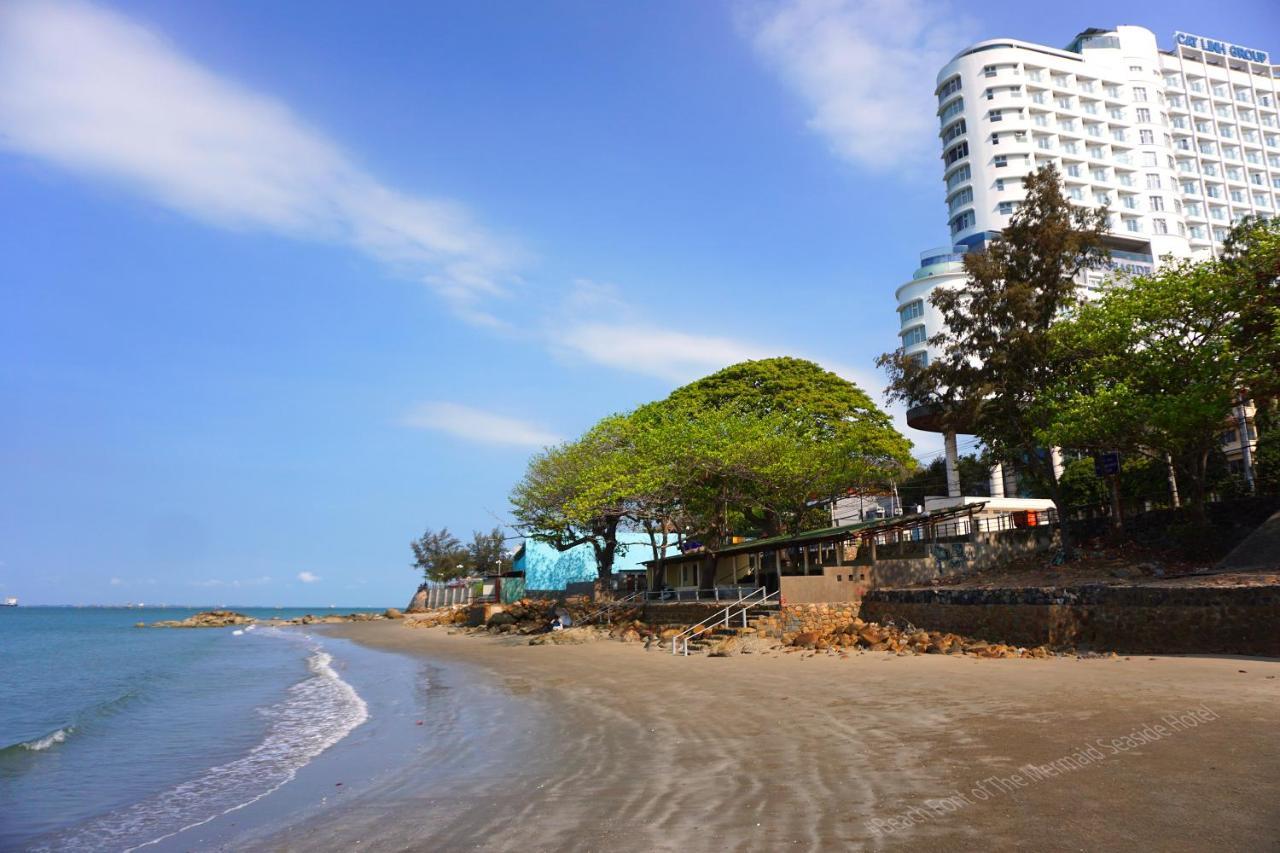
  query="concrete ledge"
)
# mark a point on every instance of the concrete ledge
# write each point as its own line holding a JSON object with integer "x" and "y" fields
{"x": 1131, "y": 620}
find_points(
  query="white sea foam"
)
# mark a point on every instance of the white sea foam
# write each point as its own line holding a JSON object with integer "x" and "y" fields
{"x": 48, "y": 740}
{"x": 316, "y": 713}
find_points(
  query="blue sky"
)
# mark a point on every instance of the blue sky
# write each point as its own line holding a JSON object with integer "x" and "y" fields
{"x": 281, "y": 284}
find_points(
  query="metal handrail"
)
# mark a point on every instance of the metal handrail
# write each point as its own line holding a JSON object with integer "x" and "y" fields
{"x": 744, "y": 602}
{"x": 618, "y": 602}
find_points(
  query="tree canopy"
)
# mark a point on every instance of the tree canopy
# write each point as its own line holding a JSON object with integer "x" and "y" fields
{"x": 995, "y": 349}
{"x": 748, "y": 450}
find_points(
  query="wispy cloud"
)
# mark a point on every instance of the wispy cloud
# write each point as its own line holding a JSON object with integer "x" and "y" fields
{"x": 477, "y": 425}
{"x": 117, "y": 582}
{"x": 663, "y": 351}
{"x": 92, "y": 91}
{"x": 865, "y": 68}
{"x": 308, "y": 577}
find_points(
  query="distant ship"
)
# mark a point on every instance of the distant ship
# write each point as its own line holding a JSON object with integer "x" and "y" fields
{"x": 11, "y": 601}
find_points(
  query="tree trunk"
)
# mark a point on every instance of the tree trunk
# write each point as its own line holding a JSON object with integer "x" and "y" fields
{"x": 1064, "y": 523}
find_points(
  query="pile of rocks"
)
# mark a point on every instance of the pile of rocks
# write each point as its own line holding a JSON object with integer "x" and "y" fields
{"x": 905, "y": 641}
{"x": 205, "y": 619}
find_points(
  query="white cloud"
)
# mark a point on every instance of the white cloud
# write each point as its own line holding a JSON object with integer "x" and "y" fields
{"x": 477, "y": 425}
{"x": 117, "y": 582}
{"x": 92, "y": 91}
{"x": 308, "y": 577}
{"x": 640, "y": 346}
{"x": 866, "y": 69}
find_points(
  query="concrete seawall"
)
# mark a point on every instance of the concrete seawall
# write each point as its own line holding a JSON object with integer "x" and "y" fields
{"x": 1135, "y": 620}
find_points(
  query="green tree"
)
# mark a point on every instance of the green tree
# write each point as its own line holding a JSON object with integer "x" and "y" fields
{"x": 995, "y": 362}
{"x": 439, "y": 555}
{"x": 824, "y": 434}
{"x": 486, "y": 550}
{"x": 1154, "y": 369}
{"x": 580, "y": 492}
{"x": 1250, "y": 264}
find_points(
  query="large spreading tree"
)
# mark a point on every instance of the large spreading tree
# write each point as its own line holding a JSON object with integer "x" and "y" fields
{"x": 748, "y": 451}
{"x": 995, "y": 350}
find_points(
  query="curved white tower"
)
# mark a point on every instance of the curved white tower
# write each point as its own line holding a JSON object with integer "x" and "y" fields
{"x": 1177, "y": 144}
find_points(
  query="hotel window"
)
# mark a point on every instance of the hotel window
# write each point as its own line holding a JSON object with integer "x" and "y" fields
{"x": 1073, "y": 170}
{"x": 914, "y": 335}
{"x": 1220, "y": 234}
{"x": 1156, "y": 202}
{"x": 949, "y": 87}
{"x": 1182, "y": 230}
{"x": 1146, "y": 137}
{"x": 1149, "y": 159}
{"x": 1006, "y": 208}
{"x": 989, "y": 71}
{"x": 1064, "y": 103}
{"x": 1197, "y": 232}
{"x": 1113, "y": 91}
{"x": 1132, "y": 225}
{"x": 1222, "y": 111}
{"x": 958, "y": 177}
{"x": 1261, "y": 200}
{"x": 1197, "y": 86}
{"x": 960, "y": 199}
{"x": 954, "y": 130}
{"x": 1188, "y": 188}
{"x": 920, "y": 358}
{"x": 996, "y": 115}
{"x": 1212, "y": 191}
{"x": 1095, "y": 151}
{"x": 1233, "y": 173}
{"x": 1210, "y": 169}
{"x": 912, "y": 310}
{"x": 1160, "y": 226}
{"x": 1219, "y": 91}
{"x": 1100, "y": 175}
{"x": 1076, "y": 193}
{"x": 961, "y": 222}
{"x": 1101, "y": 198}
{"x": 1144, "y": 115}
{"x": 957, "y": 152}
{"x": 1118, "y": 135}
{"x": 1227, "y": 132}
{"x": 1139, "y": 93}
{"x": 995, "y": 139}
{"x": 1001, "y": 161}
{"x": 1000, "y": 184}
{"x": 1193, "y": 208}
{"x": 1130, "y": 202}
{"x": 1153, "y": 182}
{"x": 1237, "y": 196}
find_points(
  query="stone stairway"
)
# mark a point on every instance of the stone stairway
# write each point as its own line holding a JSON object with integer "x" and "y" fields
{"x": 717, "y": 633}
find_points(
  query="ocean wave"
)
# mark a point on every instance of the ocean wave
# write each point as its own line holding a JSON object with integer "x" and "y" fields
{"x": 315, "y": 714}
{"x": 48, "y": 740}
{"x": 39, "y": 744}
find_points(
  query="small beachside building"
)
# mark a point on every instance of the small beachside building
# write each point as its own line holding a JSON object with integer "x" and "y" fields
{"x": 548, "y": 570}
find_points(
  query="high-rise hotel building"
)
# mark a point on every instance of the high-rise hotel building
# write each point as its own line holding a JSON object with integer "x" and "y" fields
{"x": 1177, "y": 143}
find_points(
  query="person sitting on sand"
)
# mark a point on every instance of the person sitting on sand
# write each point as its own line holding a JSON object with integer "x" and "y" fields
{"x": 562, "y": 620}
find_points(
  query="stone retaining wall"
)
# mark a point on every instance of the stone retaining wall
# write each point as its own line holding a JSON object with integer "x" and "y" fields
{"x": 688, "y": 613}
{"x": 1133, "y": 620}
{"x": 821, "y": 620}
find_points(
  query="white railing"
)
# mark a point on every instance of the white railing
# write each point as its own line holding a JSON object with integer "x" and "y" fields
{"x": 612, "y": 605}
{"x": 694, "y": 593}
{"x": 743, "y": 604}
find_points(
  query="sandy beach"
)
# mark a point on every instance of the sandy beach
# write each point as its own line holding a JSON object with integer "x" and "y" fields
{"x": 605, "y": 746}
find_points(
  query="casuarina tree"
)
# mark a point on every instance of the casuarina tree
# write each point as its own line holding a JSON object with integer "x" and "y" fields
{"x": 995, "y": 350}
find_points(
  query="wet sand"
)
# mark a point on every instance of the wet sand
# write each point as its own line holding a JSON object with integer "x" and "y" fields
{"x": 606, "y": 746}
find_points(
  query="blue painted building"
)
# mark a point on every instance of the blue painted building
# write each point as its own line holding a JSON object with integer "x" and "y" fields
{"x": 548, "y": 570}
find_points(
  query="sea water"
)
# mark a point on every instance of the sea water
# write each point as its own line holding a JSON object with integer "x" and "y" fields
{"x": 114, "y": 737}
